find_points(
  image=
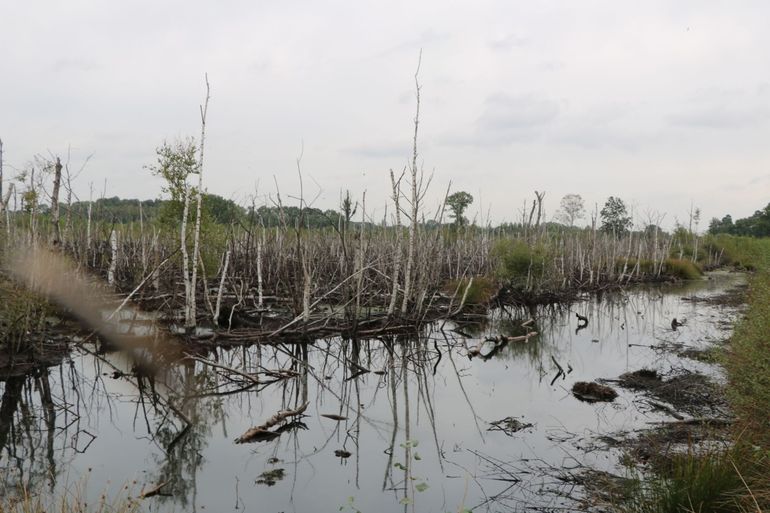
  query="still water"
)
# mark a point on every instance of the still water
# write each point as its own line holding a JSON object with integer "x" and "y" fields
{"x": 414, "y": 433}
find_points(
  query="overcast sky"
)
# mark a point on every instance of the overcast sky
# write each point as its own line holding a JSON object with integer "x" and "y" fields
{"x": 664, "y": 104}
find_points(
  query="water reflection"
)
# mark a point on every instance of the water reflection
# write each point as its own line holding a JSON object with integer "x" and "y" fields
{"x": 400, "y": 421}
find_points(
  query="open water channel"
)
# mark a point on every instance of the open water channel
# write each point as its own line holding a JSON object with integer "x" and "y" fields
{"x": 418, "y": 432}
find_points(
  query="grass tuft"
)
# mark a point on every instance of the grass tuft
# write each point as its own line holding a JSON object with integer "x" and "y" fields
{"x": 682, "y": 269}
{"x": 693, "y": 482}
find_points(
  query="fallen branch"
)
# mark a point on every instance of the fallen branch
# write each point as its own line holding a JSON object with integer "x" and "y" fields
{"x": 250, "y": 377}
{"x": 261, "y": 430}
{"x": 153, "y": 491}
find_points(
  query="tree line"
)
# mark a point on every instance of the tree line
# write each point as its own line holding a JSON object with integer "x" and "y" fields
{"x": 756, "y": 225}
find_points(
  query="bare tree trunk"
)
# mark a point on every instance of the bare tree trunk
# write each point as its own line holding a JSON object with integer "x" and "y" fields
{"x": 415, "y": 200}
{"x": 191, "y": 319}
{"x": 221, "y": 287}
{"x": 33, "y": 209}
{"x": 359, "y": 265}
{"x": 4, "y": 207}
{"x": 4, "y": 199}
{"x": 307, "y": 285}
{"x": 260, "y": 243}
{"x": 114, "y": 258}
{"x": 156, "y": 272}
{"x": 55, "y": 202}
{"x": 189, "y": 314}
{"x": 68, "y": 223}
{"x": 540, "y": 196}
{"x": 88, "y": 222}
{"x": 397, "y": 256}
{"x": 141, "y": 238}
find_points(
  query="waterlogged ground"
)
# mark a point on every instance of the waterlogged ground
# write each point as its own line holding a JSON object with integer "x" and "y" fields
{"x": 416, "y": 432}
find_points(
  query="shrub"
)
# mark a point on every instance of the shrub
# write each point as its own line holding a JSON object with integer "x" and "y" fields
{"x": 519, "y": 261}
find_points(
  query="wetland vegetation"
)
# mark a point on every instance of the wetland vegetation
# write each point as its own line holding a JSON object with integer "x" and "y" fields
{"x": 190, "y": 353}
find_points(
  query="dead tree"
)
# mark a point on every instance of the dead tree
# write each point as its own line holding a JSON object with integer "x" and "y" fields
{"x": 55, "y": 202}
{"x": 397, "y": 255}
{"x": 199, "y": 196}
{"x": 540, "y": 196}
{"x": 415, "y": 200}
{"x": 191, "y": 276}
{"x": 4, "y": 199}
{"x": 113, "y": 259}
{"x": 4, "y": 207}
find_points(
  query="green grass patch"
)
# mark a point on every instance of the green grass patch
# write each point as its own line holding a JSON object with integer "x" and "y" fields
{"x": 681, "y": 269}
{"x": 742, "y": 252}
{"x": 704, "y": 483}
{"x": 748, "y": 365}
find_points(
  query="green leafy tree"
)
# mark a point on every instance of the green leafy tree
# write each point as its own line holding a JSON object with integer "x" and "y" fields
{"x": 222, "y": 210}
{"x": 756, "y": 225}
{"x": 457, "y": 203}
{"x": 615, "y": 218}
{"x": 175, "y": 162}
{"x": 724, "y": 225}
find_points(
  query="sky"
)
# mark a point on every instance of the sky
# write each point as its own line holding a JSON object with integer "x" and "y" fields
{"x": 663, "y": 104}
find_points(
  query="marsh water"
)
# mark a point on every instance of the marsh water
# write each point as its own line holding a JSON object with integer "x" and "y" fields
{"x": 419, "y": 432}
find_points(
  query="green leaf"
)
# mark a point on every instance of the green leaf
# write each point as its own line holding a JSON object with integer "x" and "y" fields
{"x": 421, "y": 487}
{"x": 417, "y": 456}
{"x": 399, "y": 466}
{"x": 405, "y": 500}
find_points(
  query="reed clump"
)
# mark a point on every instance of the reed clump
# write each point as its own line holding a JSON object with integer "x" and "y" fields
{"x": 706, "y": 482}
{"x": 682, "y": 269}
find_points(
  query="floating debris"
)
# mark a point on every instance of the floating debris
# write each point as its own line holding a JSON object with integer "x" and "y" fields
{"x": 509, "y": 425}
{"x": 593, "y": 392}
{"x": 688, "y": 392}
{"x": 334, "y": 416}
{"x": 270, "y": 477}
{"x": 643, "y": 379}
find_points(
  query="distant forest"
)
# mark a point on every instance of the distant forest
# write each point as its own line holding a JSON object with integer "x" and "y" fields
{"x": 756, "y": 225}
{"x": 224, "y": 211}
{"x": 220, "y": 210}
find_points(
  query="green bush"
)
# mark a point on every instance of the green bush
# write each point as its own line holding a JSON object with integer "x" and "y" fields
{"x": 519, "y": 261}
